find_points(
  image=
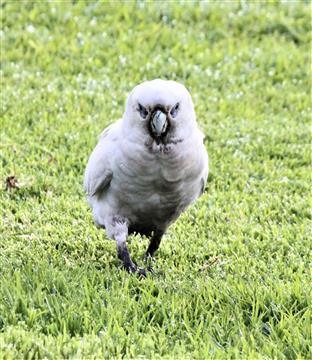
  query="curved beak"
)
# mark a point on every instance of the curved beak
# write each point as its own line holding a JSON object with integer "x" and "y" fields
{"x": 159, "y": 123}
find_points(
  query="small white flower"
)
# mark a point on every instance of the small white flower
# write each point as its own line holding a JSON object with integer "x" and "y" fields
{"x": 122, "y": 60}
{"x": 30, "y": 28}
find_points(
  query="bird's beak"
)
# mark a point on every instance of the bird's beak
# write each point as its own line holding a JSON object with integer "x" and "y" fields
{"x": 159, "y": 123}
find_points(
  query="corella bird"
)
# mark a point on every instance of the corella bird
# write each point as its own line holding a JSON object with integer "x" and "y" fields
{"x": 148, "y": 167}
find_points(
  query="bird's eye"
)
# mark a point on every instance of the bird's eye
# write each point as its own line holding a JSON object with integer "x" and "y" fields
{"x": 143, "y": 112}
{"x": 174, "y": 110}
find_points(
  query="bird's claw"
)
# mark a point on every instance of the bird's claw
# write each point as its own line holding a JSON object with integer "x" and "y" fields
{"x": 144, "y": 272}
{"x": 141, "y": 272}
{"x": 149, "y": 260}
{"x": 150, "y": 270}
{"x": 133, "y": 269}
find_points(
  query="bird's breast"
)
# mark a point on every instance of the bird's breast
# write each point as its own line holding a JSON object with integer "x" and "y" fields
{"x": 157, "y": 186}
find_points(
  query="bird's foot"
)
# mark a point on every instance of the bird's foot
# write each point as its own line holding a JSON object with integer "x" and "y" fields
{"x": 130, "y": 268}
{"x": 149, "y": 260}
{"x": 134, "y": 269}
{"x": 141, "y": 272}
{"x": 150, "y": 270}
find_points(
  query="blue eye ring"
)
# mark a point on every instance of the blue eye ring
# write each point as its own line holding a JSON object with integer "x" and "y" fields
{"x": 174, "y": 110}
{"x": 142, "y": 110}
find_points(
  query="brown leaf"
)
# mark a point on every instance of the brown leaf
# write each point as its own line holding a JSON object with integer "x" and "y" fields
{"x": 11, "y": 183}
{"x": 210, "y": 263}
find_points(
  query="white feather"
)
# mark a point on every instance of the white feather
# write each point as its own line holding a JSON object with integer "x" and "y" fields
{"x": 130, "y": 175}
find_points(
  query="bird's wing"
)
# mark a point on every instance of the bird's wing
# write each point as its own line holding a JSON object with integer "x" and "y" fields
{"x": 99, "y": 174}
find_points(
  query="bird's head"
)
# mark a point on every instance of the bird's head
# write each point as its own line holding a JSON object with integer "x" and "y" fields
{"x": 160, "y": 110}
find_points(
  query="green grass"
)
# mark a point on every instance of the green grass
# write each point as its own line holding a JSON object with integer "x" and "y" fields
{"x": 232, "y": 275}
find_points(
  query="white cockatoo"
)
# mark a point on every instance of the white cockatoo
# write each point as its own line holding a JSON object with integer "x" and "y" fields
{"x": 148, "y": 167}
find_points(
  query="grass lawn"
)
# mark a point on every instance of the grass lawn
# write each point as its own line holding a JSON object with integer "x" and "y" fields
{"x": 232, "y": 274}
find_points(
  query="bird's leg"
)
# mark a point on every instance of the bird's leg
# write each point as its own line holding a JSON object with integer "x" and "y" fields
{"x": 124, "y": 256}
{"x": 118, "y": 229}
{"x": 154, "y": 243}
{"x": 153, "y": 246}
